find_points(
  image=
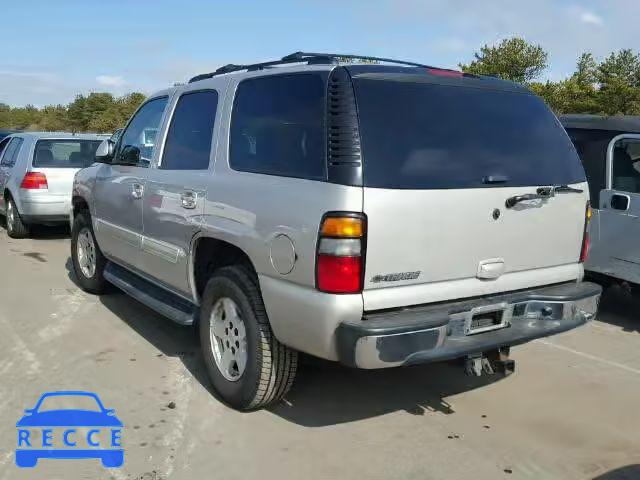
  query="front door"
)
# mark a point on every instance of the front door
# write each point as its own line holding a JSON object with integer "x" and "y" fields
{"x": 176, "y": 190}
{"x": 620, "y": 209}
{"x": 119, "y": 188}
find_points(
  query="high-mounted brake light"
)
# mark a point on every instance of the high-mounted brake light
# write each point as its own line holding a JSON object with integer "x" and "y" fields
{"x": 441, "y": 72}
{"x": 584, "y": 249}
{"x": 34, "y": 181}
{"x": 339, "y": 265}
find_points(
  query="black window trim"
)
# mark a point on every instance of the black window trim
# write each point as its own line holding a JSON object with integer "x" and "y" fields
{"x": 324, "y": 76}
{"x": 124, "y": 130}
{"x": 219, "y": 105}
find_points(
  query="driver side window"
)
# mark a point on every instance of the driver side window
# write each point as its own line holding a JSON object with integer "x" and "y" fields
{"x": 138, "y": 142}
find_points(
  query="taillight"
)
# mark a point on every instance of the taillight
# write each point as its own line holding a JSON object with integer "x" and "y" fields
{"x": 584, "y": 250}
{"x": 339, "y": 267}
{"x": 34, "y": 181}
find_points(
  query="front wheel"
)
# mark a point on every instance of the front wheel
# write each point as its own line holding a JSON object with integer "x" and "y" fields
{"x": 249, "y": 367}
{"x": 86, "y": 256}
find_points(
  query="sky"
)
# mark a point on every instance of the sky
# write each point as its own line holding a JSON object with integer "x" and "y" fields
{"x": 55, "y": 49}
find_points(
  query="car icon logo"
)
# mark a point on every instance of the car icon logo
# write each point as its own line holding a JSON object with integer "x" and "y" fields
{"x": 59, "y": 431}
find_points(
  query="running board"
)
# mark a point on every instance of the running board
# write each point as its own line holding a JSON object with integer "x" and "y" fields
{"x": 162, "y": 301}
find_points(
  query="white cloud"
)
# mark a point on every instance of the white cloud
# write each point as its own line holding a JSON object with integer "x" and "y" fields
{"x": 591, "y": 18}
{"x": 111, "y": 80}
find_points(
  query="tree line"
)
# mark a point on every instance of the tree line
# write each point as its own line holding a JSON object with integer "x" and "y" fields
{"x": 97, "y": 112}
{"x": 610, "y": 86}
{"x": 607, "y": 87}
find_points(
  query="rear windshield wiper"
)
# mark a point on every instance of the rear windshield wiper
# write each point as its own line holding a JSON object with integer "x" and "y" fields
{"x": 559, "y": 189}
{"x": 542, "y": 193}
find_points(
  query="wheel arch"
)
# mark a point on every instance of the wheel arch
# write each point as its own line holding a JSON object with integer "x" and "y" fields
{"x": 208, "y": 254}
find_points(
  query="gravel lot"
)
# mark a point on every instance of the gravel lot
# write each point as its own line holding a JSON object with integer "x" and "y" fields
{"x": 569, "y": 412}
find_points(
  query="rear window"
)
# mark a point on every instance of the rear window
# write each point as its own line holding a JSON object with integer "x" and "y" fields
{"x": 419, "y": 135}
{"x": 65, "y": 153}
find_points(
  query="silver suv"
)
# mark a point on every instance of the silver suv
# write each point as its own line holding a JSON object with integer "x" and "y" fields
{"x": 373, "y": 214}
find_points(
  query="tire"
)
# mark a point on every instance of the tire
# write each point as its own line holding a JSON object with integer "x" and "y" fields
{"x": 16, "y": 228}
{"x": 90, "y": 282}
{"x": 270, "y": 366}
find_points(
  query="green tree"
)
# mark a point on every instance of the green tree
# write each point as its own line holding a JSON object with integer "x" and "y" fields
{"x": 53, "y": 118}
{"x": 77, "y": 118}
{"x": 513, "y": 59}
{"x": 619, "y": 83}
{"x": 587, "y": 70}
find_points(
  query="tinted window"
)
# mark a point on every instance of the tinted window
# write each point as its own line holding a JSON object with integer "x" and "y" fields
{"x": 188, "y": 144}
{"x": 11, "y": 154}
{"x": 592, "y": 147}
{"x": 139, "y": 139}
{"x": 277, "y": 126}
{"x": 65, "y": 153}
{"x": 428, "y": 136}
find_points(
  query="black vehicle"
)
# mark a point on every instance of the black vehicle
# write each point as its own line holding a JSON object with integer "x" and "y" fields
{"x": 5, "y": 133}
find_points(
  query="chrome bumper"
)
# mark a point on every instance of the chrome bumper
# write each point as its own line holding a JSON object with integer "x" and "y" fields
{"x": 443, "y": 332}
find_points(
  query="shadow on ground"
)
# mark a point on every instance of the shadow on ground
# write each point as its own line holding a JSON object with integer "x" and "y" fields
{"x": 630, "y": 472}
{"x": 325, "y": 393}
{"x": 617, "y": 307}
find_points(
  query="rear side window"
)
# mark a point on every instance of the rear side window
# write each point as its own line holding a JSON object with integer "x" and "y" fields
{"x": 188, "y": 144}
{"x": 65, "y": 153}
{"x": 421, "y": 135}
{"x": 592, "y": 147}
{"x": 277, "y": 126}
{"x": 11, "y": 153}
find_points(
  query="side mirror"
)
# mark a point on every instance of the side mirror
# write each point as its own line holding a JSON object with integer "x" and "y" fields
{"x": 28, "y": 410}
{"x": 104, "y": 153}
{"x": 130, "y": 155}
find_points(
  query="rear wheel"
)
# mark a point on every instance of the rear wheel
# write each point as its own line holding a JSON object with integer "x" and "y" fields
{"x": 16, "y": 228}
{"x": 249, "y": 368}
{"x": 86, "y": 256}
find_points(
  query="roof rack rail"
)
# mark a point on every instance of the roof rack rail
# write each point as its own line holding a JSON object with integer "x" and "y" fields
{"x": 301, "y": 57}
{"x": 308, "y": 56}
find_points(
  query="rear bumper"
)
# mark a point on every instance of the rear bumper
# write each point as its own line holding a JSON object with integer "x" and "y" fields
{"x": 45, "y": 208}
{"x": 442, "y": 331}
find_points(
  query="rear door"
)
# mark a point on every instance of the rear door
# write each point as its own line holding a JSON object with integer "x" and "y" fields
{"x": 441, "y": 158}
{"x": 11, "y": 147}
{"x": 620, "y": 210}
{"x": 176, "y": 189}
{"x": 3, "y": 171}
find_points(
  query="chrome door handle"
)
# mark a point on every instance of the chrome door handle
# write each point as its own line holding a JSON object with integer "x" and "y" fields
{"x": 189, "y": 200}
{"x": 137, "y": 190}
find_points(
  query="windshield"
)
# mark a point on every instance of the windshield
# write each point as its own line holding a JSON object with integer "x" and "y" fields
{"x": 69, "y": 402}
{"x": 419, "y": 135}
{"x": 65, "y": 153}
